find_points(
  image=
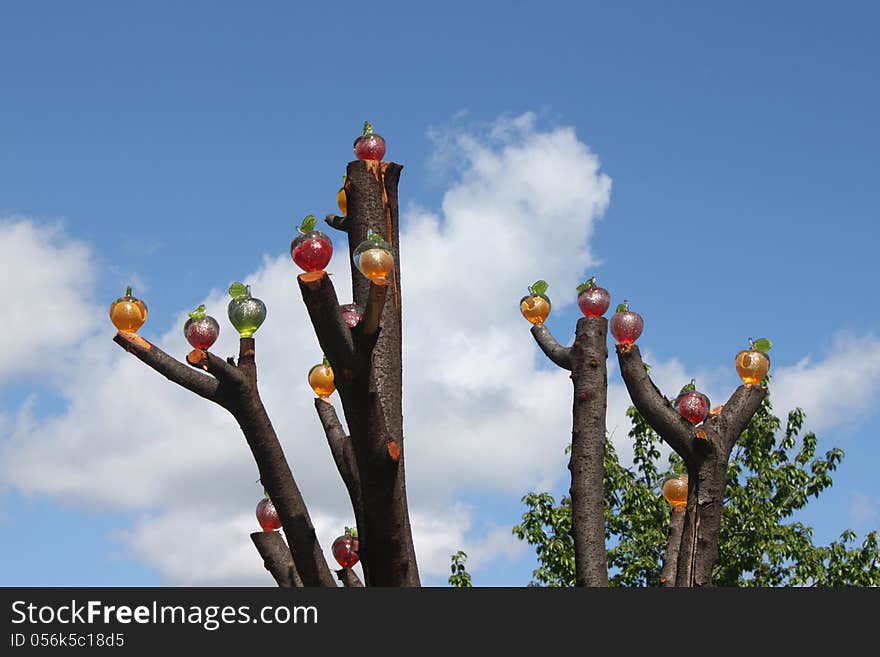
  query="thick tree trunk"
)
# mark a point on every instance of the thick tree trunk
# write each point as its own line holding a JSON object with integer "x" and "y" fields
{"x": 367, "y": 361}
{"x": 587, "y": 462}
{"x": 586, "y": 359}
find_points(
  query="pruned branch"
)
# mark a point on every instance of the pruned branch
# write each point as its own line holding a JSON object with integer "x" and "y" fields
{"x": 277, "y": 558}
{"x": 343, "y": 454}
{"x": 369, "y": 323}
{"x": 217, "y": 367}
{"x": 737, "y": 413}
{"x": 332, "y": 332}
{"x": 169, "y": 367}
{"x": 653, "y": 406}
{"x": 349, "y": 578}
{"x": 552, "y": 349}
{"x": 337, "y": 222}
{"x": 235, "y": 390}
{"x": 673, "y": 545}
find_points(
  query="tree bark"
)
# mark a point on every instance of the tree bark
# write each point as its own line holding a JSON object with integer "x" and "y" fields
{"x": 673, "y": 545}
{"x": 705, "y": 451}
{"x": 234, "y": 387}
{"x": 586, "y": 359}
{"x": 277, "y": 558}
{"x": 349, "y": 578}
{"x": 370, "y": 377}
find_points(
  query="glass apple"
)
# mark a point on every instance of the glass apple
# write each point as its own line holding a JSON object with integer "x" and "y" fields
{"x": 753, "y": 364}
{"x": 592, "y": 299}
{"x": 201, "y": 330}
{"x": 312, "y": 249}
{"x": 128, "y": 313}
{"x": 370, "y": 145}
{"x": 352, "y": 314}
{"x": 374, "y": 258}
{"x": 626, "y": 325}
{"x": 321, "y": 379}
{"x": 535, "y": 306}
{"x": 341, "y": 198}
{"x": 692, "y": 404}
{"x": 267, "y": 516}
{"x": 345, "y": 548}
{"x": 675, "y": 490}
{"x": 245, "y": 312}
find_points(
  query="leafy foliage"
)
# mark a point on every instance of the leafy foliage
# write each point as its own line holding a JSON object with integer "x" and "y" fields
{"x": 460, "y": 577}
{"x": 770, "y": 476}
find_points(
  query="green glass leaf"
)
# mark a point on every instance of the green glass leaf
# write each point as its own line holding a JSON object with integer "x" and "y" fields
{"x": 198, "y": 313}
{"x": 308, "y": 224}
{"x": 239, "y": 291}
{"x": 762, "y": 344}
{"x": 351, "y": 531}
{"x": 539, "y": 287}
{"x": 622, "y": 308}
{"x": 368, "y": 128}
{"x": 690, "y": 386}
{"x": 375, "y": 237}
{"x": 344, "y": 178}
{"x": 587, "y": 284}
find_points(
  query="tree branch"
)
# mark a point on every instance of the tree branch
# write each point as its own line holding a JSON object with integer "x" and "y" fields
{"x": 216, "y": 367}
{"x": 349, "y": 578}
{"x": 552, "y": 349}
{"x": 343, "y": 454}
{"x": 171, "y": 368}
{"x": 277, "y": 558}
{"x": 332, "y": 332}
{"x": 653, "y": 406}
{"x": 337, "y": 222}
{"x": 737, "y": 413}
{"x": 369, "y": 324}
{"x": 673, "y": 545}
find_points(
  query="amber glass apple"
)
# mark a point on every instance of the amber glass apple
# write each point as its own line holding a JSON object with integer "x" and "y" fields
{"x": 675, "y": 490}
{"x": 753, "y": 364}
{"x": 321, "y": 379}
{"x": 374, "y": 258}
{"x": 128, "y": 313}
{"x": 535, "y": 306}
{"x": 341, "y": 199}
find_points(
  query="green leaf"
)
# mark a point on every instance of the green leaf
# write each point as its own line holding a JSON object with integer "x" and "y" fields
{"x": 308, "y": 224}
{"x": 344, "y": 178}
{"x": 239, "y": 291}
{"x": 690, "y": 386}
{"x": 587, "y": 284}
{"x": 368, "y": 128}
{"x": 762, "y": 344}
{"x": 539, "y": 287}
{"x": 622, "y": 307}
{"x": 198, "y": 313}
{"x": 375, "y": 237}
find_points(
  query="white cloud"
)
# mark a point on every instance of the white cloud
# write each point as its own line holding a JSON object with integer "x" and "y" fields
{"x": 47, "y": 297}
{"x": 864, "y": 511}
{"x": 839, "y": 389}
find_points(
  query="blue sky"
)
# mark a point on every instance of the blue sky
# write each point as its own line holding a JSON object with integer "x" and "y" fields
{"x": 178, "y": 147}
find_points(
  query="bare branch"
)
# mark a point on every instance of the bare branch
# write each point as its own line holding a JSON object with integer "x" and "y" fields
{"x": 337, "y": 222}
{"x": 216, "y": 367}
{"x": 349, "y": 578}
{"x": 332, "y": 332}
{"x": 673, "y": 545}
{"x": 171, "y": 368}
{"x": 552, "y": 349}
{"x": 277, "y": 558}
{"x": 737, "y": 413}
{"x": 343, "y": 454}
{"x": 654, "y": 407}
{"x": 369, "y": 324}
